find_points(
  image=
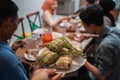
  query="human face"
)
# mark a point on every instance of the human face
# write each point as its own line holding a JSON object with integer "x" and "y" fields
{"x": 89, "y": 28}
{"x": 54, "y": 5}
{"x": 12, "y": 26}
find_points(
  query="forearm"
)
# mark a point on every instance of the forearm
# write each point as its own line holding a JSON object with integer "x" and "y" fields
{"x": 94, "y": 70}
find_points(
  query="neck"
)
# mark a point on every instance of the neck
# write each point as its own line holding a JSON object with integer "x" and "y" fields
{"x": 99, "y": 29}
{"x": 3, "y": 38}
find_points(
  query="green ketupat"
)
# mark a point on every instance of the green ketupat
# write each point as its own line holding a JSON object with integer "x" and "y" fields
{"x": 69, "y": 48}
{"x": 67, "y": 42}
{"x": 47, "y": 57}
{"x": 56, "y": 45}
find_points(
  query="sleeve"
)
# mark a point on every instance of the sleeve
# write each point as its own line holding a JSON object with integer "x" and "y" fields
{"x": 48, "y": 18}
{"x": 12, "y": 68}
{"x": 104, "y": 59}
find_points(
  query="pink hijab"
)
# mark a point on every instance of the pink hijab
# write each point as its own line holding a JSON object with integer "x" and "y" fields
{"x": 47, "y": 5}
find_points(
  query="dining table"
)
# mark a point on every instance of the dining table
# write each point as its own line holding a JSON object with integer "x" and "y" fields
{"x": 20, "y": 52}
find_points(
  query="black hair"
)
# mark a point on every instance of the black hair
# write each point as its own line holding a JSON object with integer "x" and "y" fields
{"x": 107, "y": 6}
{"x": 91, "y": 1}
{"x": 92, "y": 14}
{"x": 7, "y": 9}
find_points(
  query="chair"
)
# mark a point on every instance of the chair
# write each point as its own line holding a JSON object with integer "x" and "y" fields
{"x": 20, "y": 23}
{"x": 34, "y": 20}
{"x": 15, "y": 35}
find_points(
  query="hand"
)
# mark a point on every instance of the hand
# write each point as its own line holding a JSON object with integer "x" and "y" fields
{"x": 65, "y": 18}
{"x": 87, "y": 36}
{"x": 17, "y": 44}
{"x": 46, "y": 74}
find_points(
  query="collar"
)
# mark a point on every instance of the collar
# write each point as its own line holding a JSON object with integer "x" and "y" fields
{"x": 4, "y": 45}
{"x": 103, "y": 34}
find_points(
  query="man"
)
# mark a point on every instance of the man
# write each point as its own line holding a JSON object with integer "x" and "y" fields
{"x": 10, "y": 66}
{"x": 107, "y": 50}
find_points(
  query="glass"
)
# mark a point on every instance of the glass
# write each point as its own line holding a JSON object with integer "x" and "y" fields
{"x": 32, "y": 42}
{"x": 47, "y": 36}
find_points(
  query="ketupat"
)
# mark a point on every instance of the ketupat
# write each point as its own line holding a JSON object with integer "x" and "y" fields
{"x": 64, "y": 46}
{"x": 72, "y": 50}
{"x": 67, "y": 42}
{"x": 56, "y": 45}
{"x": 47, "y": 57}
{"x": 57, "y": 48}
{"x": 64, "y": 62}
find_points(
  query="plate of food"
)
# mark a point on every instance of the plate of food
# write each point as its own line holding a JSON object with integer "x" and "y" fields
{"x": 62, "y": 55}
{"x": 56, "y": 35}
{"x": 29, "y": 57}
{"x": 31, "y": 54}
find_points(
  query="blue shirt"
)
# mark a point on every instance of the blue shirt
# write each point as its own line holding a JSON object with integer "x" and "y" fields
{"x": 107, "y": 57}
{"x": 11, "y": 67}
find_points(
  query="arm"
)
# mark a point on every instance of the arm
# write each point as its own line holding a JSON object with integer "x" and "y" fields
{"x": 50, "y": 22}
{"x": 18, "y": 44}
{"x": 103, "y": 59}
{"x": 94, "y": 70}
{"x": 46, "y": 74}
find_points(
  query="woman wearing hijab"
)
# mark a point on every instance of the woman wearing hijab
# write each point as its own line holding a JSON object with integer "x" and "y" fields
{"x": 49, "y": 10}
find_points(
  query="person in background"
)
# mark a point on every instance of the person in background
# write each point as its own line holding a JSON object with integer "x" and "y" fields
{"x": 49, "y": 10}
{"x": 11, "y": 67}
{"x": 86, "y": 3}
{"x": 116, "y": 11}
{"x": 108, "y": 6}
{"x": 107, "y": 44}
{"x": 89, "y": 2}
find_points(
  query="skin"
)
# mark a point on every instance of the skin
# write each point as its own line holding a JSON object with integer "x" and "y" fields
{"x": 8, "y": 31}
{"x": 7, "y": 28}
{"x": 97, "y": 30}
{"x": 46, "y": 74}
{"x": 54, "y": 6}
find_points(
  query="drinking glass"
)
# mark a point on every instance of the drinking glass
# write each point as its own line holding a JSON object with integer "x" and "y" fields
{"x": 47, "y": 36}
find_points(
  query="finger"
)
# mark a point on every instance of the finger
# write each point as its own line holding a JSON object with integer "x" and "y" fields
{"x": 58, "y": 76}
{"x": 51, "y": 72}
{"x": 93, "y": 35}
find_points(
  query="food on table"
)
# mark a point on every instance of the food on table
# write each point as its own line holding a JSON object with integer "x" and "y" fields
{"x": 75, "y": 21}
{"x": 70, "y": 36}
{"x": 47, "y": 57}
{"x": 32, "y": 52}
{"x": 59, "y": 53}
{"x": 56, "y": 45}
{"x": 67, "y": 42}
{"x": 64, "y": 62}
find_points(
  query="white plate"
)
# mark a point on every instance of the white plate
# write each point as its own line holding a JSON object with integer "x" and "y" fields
{"x": 29, "y": 57}
{"x": 39, "y": 31}
{"x": 77, "y": 63}
{"x": 56, "y": 35}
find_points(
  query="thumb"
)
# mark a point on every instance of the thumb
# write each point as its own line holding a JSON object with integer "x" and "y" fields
{"x": 51, "y": 71}
{"x": 94, "y": 35}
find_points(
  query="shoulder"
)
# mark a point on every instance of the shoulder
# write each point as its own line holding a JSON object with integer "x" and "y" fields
{"x": 111, "y": 41}
{"x": 7, "y": 56}
{"x": 46, "y": 13}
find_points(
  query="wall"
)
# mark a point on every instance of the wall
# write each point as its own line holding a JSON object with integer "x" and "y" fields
{"x": 28, "y": 6}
